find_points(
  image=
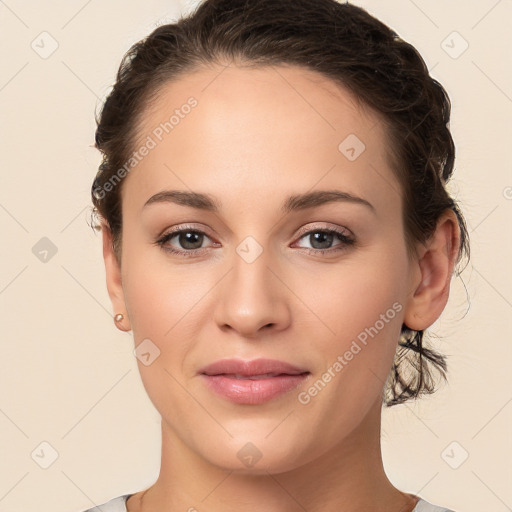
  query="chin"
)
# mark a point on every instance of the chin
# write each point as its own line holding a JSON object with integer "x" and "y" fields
{"x": 256, "y": 455}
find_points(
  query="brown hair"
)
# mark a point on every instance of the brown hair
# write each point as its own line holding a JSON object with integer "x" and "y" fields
{"x": 340, "y": 41}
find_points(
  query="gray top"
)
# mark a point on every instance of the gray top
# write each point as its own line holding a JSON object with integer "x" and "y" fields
{"x": 119, "y": 505}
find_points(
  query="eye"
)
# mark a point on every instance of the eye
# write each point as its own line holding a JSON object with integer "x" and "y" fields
{"x": 190, "y": 241}
{"x": 188, "y": 238}
{"x": 322, "y": 239}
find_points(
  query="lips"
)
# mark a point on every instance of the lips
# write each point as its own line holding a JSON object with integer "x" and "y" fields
{"x": 252, "y": 382}
{"x": 256, "y": 368}
{"x": 254, "y": 377}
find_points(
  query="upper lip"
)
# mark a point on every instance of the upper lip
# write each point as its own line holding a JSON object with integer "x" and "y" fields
{"x": 251, "y": 368}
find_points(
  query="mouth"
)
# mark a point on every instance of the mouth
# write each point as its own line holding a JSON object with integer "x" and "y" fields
{"x": 262, "y": 368}
{"x": 252, "y": 382}
{"x": 254, "y": 377}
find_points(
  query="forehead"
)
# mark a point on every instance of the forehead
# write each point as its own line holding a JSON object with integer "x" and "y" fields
{"x": 234, "y": 129}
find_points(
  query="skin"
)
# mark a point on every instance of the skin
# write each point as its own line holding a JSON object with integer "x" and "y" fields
{"x": 256, "y": 137}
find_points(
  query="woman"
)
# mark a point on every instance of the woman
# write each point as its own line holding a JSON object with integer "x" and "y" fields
{"x": 277, "y": 235}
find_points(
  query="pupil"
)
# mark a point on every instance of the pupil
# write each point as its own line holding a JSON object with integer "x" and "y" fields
{"x": 188, "y": 238}
{"x": 327, "y": 240}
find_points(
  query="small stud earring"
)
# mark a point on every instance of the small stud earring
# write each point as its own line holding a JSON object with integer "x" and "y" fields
{"x": 118, "y": 317}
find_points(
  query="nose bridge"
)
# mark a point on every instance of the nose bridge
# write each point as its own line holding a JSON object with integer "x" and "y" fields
{"x": 252, "y": 296}
{"x": 251, "y": 263}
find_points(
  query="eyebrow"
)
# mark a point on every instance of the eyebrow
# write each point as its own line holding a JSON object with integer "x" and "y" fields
{"x": 293, "y": 203}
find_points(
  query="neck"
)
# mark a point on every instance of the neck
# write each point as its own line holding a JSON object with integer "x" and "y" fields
{"x": 349, "y": 477}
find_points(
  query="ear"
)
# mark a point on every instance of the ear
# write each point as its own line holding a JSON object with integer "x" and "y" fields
{"x": 435, "y": 265}
{"x": 113, "y": 276}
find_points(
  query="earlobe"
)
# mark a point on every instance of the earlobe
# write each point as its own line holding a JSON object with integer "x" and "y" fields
{"x": 114, "y": 280}
{"x": 428, "y": 297}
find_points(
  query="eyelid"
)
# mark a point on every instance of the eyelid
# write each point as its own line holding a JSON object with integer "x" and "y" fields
{"x": 302, "y": 231}
{"x": 324, "y": 227}
{"x": 183, "y": 227}
{"x": 342, "y": 232}
{"x": 167, "y": 235}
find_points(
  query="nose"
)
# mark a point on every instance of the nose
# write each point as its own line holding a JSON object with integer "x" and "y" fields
{"x": 253, "y": 297}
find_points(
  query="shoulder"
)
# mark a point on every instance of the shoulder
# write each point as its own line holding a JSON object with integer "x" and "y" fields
{"x": 425, "y": 506}
{"x": 117, "y": 504}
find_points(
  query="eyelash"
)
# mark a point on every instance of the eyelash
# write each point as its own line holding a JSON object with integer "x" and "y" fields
{"x": 346, "y": 241}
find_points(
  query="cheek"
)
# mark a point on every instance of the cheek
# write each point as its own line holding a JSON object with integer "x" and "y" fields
{"x": 354, "y": 298}
{"x": 334, "y": 303}
{"x": 168, "y": 304}
{"x": 163, "y": 303}
{"x": 360, "y": 303}
{"x": 159, "y": 295}
{"x": 360, "y": 312}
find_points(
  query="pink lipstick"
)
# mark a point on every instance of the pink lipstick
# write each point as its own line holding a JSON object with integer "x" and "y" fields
{"x": 252, "y": 382}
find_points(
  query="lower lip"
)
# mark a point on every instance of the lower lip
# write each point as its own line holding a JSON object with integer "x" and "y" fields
{"x": 255, "y": 391}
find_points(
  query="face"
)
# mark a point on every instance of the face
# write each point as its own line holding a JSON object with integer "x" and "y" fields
{"x": 321, "y": 282}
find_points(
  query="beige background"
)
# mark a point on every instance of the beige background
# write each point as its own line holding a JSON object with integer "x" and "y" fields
{"x": 68, "y": 377}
